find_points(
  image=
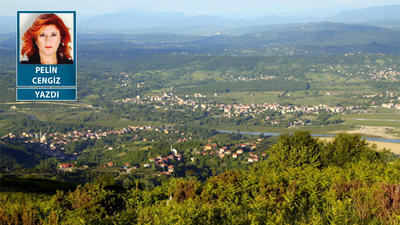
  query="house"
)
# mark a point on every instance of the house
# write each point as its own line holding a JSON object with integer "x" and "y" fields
{"x": 146, "y": 165}
{"x": 126, "y": 165}
{"x": 67, "y": 165}
{"x": 235, "y": 155}
{"x": 151, "y": 159}
{"x": 239, "y": 151}
{"x": 110, "y": 164}
{"x": 171, "y": 168}
{"x": 208, "y": 147}
{"x": 241, "y": 145}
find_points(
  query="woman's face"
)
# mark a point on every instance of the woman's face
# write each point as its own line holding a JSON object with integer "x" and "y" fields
{"x": 48, "y": 40}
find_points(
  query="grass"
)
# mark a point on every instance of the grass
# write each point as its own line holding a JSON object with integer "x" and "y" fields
{"x": 298, "y": 98}
{"x": 202, "y": 74}
{"x": 314, "y": 129}
{"x": 322, "y": 77}
{"x": 146, "y": 148}
{"x": 372, "y": 116}
{"x": 328, "y": 129}
{"x": 373, "y": 123}
{"x": 121, "y": 154}
{"x": 369, "y": 119}
{"x": 33, "y": 105}
{"x": 87, "y": 99}
{"x": 247, "y": 97}
{"x": 386, "y": 110}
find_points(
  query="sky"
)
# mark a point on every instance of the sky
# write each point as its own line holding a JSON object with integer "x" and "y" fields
{"x": 188, "y": 7}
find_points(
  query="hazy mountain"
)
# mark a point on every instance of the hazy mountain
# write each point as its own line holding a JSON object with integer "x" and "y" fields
{"x": 328, "y": 33}
{"x": 313, "y": 13}
{"x": 378, "y": 13}
{"x": 139, "y": 20}
{"x": 136, "y": 20}
{"x": 273, "y": 19}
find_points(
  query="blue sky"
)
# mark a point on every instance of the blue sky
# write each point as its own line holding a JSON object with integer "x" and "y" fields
{"x": 189, "y": 7}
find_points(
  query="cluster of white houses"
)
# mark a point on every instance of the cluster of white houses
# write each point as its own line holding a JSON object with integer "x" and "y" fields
{"x": 235, "y": 110}
{"x": 386, "y": 74}
{"x": 243, "y": 152}
{"x": 53, "y": 144}
{"x": 236, "y": 152}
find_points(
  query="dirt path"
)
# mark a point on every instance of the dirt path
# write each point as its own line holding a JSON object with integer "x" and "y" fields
{"x": 394, "y": 147}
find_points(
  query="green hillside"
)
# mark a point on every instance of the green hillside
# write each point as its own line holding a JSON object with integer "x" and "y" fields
{"x": 304, "y": 181}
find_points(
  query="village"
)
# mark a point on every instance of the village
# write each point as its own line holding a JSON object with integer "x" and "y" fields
{"x": 54, "y": 144}
{"x": 168, "y": 100}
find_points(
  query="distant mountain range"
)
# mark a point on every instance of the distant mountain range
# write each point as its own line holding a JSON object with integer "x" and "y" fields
{"x": 126, "y": 21}
{"x": 350, "y": 31}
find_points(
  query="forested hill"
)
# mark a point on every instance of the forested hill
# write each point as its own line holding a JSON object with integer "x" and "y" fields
{"x": 304, "y": 181}
{"x": 299, "y": 39}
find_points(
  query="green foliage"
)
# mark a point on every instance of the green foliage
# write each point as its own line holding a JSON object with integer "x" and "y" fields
{"x": 302, "y": 149}
{"x": 14, "y": 155}
{"x": 89, "y": 203}
{"x": 296, "y": 150}
{"x": 33, "y": 185}
{"x": 295, "y": 186}
{"x": 347, "y": 148}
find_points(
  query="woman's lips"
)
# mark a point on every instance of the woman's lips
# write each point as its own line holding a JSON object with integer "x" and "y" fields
{"x": 48, "y": 47}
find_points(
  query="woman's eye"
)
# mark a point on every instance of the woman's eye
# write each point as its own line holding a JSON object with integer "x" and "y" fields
{"x": 53, "y": 35}
{"x": 42, "y": 35}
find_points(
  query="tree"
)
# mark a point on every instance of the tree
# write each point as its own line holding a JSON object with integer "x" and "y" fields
{"x": 296, "y": 150}
{"x": 347, "y": 148}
